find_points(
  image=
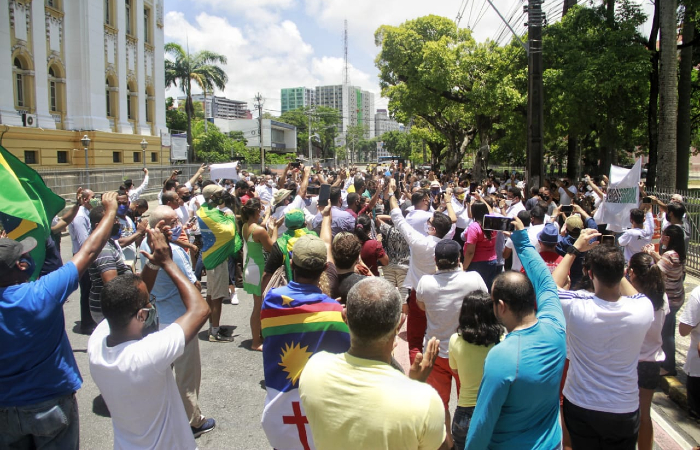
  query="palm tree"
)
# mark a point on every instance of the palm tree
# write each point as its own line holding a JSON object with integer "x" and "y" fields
{"x": 201, "y": 68}
{"x": 668, "y": 94}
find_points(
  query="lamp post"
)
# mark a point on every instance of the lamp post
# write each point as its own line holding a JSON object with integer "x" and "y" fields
{"x": 144, "y": 144}
{"x": 86, "y": 143}
{"x": 315, "y": 135}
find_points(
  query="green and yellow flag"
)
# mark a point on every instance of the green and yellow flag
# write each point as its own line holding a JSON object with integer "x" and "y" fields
{"x": 27, "y": 205}
{"x": 219, "y": 237}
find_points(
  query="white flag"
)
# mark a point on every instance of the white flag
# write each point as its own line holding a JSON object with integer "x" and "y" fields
{"x": 621, "y": 198}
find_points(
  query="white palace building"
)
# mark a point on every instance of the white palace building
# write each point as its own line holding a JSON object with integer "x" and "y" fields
{"x": 74, "y": 67}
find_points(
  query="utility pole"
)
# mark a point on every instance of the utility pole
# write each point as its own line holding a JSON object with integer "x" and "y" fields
{"x": 309, "y": 133}
{"x": 535, "y": 97}
{"x": 259, "y": 104}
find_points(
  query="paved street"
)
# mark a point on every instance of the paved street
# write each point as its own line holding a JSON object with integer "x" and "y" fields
{"x": 233, "y": 392}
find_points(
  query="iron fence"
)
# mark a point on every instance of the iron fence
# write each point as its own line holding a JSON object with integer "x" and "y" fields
{"x": 691, "y": 200}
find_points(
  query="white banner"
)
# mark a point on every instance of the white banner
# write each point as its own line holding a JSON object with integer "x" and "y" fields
{"x": 621, "y": 198}
{"x": 226, "y": 170}
{"x": 165, "y": 139}
{"x": 178, "y": 150}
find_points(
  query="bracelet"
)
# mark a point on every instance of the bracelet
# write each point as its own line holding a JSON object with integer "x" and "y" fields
{"x": 152, "y": 266}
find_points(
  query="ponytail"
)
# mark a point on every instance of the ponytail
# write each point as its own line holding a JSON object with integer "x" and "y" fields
{"x": 649, "y": 277}
{"x": 363, "y": 227}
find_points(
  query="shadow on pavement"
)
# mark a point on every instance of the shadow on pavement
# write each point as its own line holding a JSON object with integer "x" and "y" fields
{"x": 262, "y": 385}
{"x": 99, "y": 407}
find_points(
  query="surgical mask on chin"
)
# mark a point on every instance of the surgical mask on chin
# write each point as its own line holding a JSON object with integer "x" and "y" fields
{"x": 122, "y": 209}
{"x": 116, "y": 231}
{"x": 151, "y": 322}
{"x": 509, "y": 203}
{"x": 176, "y": 232}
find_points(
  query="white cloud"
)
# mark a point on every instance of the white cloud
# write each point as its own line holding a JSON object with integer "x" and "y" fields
{"x": 262, "y": 57}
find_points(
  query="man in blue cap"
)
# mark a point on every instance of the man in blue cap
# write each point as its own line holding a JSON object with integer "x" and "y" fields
{"x": 548, "y": 238}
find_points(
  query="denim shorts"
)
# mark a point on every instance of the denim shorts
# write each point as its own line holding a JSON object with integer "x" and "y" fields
{"x": 460, "y": 425}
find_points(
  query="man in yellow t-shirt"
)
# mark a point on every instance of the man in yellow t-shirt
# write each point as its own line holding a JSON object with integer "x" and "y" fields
{"x": 357, "y": 399}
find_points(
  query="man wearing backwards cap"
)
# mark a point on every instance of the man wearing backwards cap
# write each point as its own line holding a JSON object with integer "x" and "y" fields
{"x": 38, "y": 373}
{"x": 282, "y": 202}
{"x": 298, "y": 320}
{"x": 441, "y": 296}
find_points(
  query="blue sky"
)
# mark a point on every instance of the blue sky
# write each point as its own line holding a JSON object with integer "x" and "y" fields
{"x": 272, "y": 44}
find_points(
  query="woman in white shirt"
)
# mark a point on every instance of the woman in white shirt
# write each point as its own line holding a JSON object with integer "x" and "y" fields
{"x": 646, "y": 277}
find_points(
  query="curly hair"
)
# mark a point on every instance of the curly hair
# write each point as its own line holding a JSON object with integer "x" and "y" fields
{"x": 346, "y": 249}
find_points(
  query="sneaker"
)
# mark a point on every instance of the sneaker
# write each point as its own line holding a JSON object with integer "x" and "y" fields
{"x": 234, "y": 298}
{"x": 206, "y": 427}
{"x": 219, "y": 337}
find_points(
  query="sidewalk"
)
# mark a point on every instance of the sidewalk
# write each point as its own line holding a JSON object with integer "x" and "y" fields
{"x": 674, "y": 387}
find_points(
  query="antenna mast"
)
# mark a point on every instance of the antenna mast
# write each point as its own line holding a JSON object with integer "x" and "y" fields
{"x": 346, "y": 74}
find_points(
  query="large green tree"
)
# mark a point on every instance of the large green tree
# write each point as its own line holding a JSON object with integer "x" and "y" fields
{"x": 184, "y": 69}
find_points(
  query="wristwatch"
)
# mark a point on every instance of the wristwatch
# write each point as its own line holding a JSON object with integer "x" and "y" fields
{"x": 152, "y": 266}
{"x": 572, "y": 251}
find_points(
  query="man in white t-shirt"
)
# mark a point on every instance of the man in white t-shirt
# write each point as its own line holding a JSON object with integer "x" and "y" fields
{"x": 526, "y": 218}
{"x": 266, "y": 191}
{"x": 605, "y": 332}
{"x": 641, "y": 233}
{"x": 283, "y": 203}
{"x": 565, "y": 192}
{"x": 130, "y": 360}
{"x": 441, "y": 296}
{"x": 514, "y": 203}
{"x": 688, "y": 325}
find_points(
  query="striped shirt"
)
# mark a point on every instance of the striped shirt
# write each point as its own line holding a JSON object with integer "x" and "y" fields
{"x": 110, "y": 258}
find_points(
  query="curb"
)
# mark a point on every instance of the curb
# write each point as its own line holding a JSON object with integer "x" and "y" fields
{"x": 675, "y": 390}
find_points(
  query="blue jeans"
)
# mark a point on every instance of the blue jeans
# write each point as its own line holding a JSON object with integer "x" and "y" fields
{"x": 668, "y": 340}
{"x": 487, "y": 269}
{"x": 460, "y": 425}
{"x": 52, "y": 424}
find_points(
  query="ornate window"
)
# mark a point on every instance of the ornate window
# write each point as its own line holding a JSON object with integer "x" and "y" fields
{"x": 127, "y": 6}
{"x": 131, "y": 101}
{"x": 56, "y": 89}
{"x": 147, "y": 25}
{"x": 111, "y": 91}
{"x": 20, "y": 94}
{"x": 108, "y": 12}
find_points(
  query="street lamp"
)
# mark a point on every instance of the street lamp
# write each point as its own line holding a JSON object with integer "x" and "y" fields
{"x": 144, "y": 144}
{"x": 86, "y": 143}
{"x": 315, "y": 135}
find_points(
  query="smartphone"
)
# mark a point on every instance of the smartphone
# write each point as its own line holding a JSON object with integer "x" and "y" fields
{"x": 324, "y": 194}
{"x": 472, "y": 187}
{"x": 566, "y": 209}
{"x": 295, "y": 164}
{"x": 179, "y": 172}
{"x": 602, "y": 227}
{"x": 608, "y": 240}
{"x": 498, "y": 223}
{"x": 313, "y": 190}
{"x": 646, "y": 200}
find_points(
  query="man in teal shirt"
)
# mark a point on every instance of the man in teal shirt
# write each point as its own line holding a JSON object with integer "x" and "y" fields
{"x": 518, "y": 401}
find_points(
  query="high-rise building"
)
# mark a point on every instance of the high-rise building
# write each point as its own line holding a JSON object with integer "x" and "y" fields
{"x": 82, "y": 67}
{"x": 383, "y": 123}
{"x": 356, "y": 106}
{"x": 220, "y": 107}
{"x": 295, "y": 98}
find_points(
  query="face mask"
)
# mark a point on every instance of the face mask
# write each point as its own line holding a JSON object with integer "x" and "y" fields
{"x": 116, "y": 231}
{"x": 151, "y": 322}
{"x": 177, "y": 231}
{"x": 31, "y": 265}
{"x": 544, "y": 197}
{"x": 186, "y": 198}
{"x": 270, "y": 183}
{"x": 435, "y": 192}
{"x": 509, "y": 203}
{"x": 94, "y": 202}
{"x": 121, "y": 210}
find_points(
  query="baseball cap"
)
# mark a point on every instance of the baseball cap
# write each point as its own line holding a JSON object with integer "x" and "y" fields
{"x": 11, "y": 251}
{"x": 573, "y": 223}
{"x": 448, "y": 250}
{"x": 281, "y": 195}
{"x": 549, "y": 234}
{"x": 210, "y": 190}
{"x": 294, "y": 219}
{"x": 310, "y": 253}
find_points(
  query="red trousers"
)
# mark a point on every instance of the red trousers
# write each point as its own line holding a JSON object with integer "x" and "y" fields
{"x": 416, "y": 323}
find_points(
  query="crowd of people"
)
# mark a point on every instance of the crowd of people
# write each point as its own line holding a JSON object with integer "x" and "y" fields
{"x": 555, "y": 328}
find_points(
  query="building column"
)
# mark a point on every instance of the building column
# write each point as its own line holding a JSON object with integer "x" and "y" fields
{"x": 159, "y": 69}
{"x": 83, "y": 27}
{"x": 8, "y": 114}
{"x": 123, "y": 120}
{"x": 140, "y": 68}
{"x": 41, "y": 71}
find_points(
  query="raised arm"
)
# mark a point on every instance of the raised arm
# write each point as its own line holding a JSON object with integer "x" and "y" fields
{"x": 283, "y": 179}
{"x": 197, "y": 310}
{"x": 143, "y": 185}
{"x": 545, "y": 290}
{"x": 68, "y": 217}
{"x": 448, "y": 205}
{"x": 582, "y": 244}
{"x": 196, "y": 175}
{"x": 304, "y": 182}
{"x": 326, "y": 234}
{"x": 93, "y": 245}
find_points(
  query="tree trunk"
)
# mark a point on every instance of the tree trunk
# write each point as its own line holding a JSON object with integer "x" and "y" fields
{"x": 573, "y": 156}
{"x": 684, "y": 92}
{"x": 567, "y": 5}
{"x": 653, "y": 109}
{"x": 668, "y": 94}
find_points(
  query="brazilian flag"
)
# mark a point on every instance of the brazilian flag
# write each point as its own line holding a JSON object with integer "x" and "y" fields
{"x": 27, "y": 205}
